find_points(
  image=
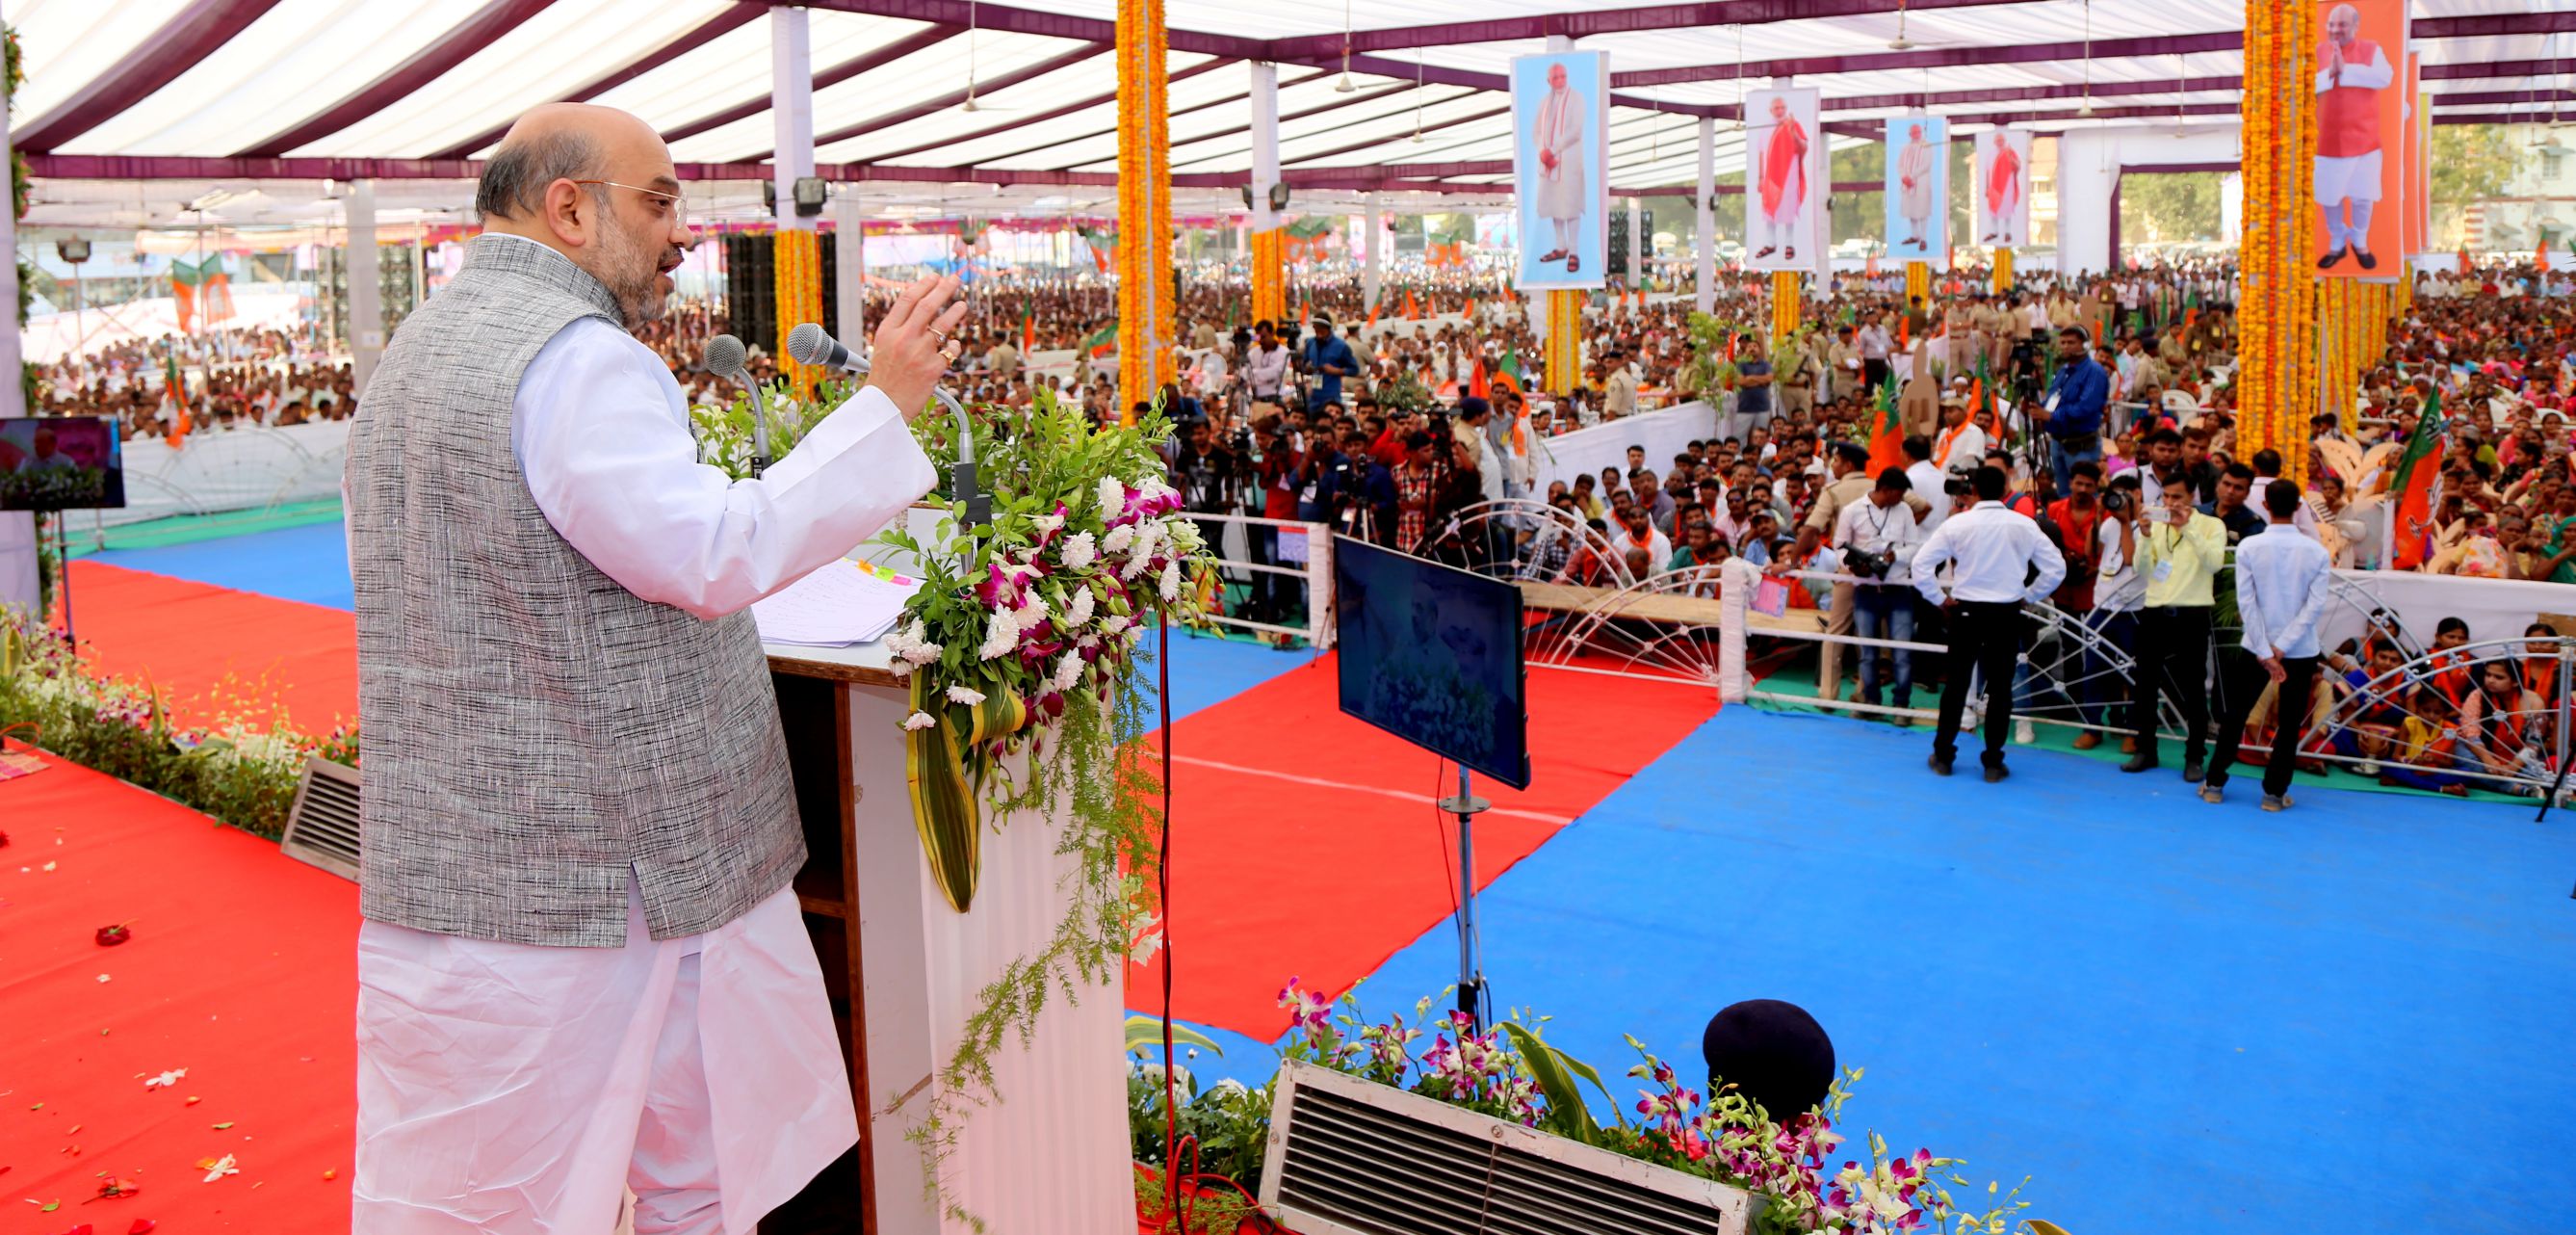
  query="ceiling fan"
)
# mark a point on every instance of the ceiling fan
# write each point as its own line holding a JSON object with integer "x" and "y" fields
{"x": 971, "y": 106}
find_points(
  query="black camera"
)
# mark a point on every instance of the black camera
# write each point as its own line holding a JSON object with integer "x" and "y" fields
{"x": 2115, "y": 501}
{"x": 1957, "y": 486}
{"x": 1867, "y": 565}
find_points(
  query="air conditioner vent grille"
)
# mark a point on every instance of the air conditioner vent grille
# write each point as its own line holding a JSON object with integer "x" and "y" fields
{"x": 322, "y": 829}
{"x": 1364, "y": 1159}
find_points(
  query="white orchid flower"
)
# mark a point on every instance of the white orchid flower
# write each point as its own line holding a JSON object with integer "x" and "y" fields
{"x": 917, "y": 722}
{"x": 960, "y": 694}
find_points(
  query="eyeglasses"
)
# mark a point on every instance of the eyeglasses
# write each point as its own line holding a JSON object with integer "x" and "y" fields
{"x": 672, "y": 205}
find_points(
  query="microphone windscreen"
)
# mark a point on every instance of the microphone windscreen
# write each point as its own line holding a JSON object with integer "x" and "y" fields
{"x": 807, "y": 344}
{"x": 725, "y": 355}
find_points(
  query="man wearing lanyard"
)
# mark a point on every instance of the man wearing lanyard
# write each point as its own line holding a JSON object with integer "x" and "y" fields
{"x": 2003, "y": 560}
{"x": 1330, "y": 360}
{"x": 2179, "y": 552}
{"x": 2282, "y": 581}
{"x": 2075, "y": 399}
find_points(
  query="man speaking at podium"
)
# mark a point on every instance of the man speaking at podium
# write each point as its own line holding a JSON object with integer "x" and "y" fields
{"x": 583, "y": 970}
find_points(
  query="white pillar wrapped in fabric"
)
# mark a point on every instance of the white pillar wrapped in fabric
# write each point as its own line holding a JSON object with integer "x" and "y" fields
{"x": 18, "y": 585}
{"x": 1371, "y": 278}
{"x": 1265, "y": 142}
{"x": 2089, "y": 166}
{"x": 366, "y": 300}
{"x": 1704, "y": 219}
{"x": 791, "y": 108}
{"x": 850, "y": 271}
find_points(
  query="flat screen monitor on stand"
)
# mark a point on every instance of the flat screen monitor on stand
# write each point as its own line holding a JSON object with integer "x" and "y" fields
{"x": 58, "y": 463}
{"x": 1432, "y": 654}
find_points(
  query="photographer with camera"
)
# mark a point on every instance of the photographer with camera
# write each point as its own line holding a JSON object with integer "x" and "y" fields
{"x": 1878, "y": 536}
{"x": 2118, "y": 591}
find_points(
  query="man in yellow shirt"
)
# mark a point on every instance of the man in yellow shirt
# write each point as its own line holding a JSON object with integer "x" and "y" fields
{"x": 2180, "y": 551}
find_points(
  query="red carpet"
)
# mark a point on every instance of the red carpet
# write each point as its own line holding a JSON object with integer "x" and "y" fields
{"x": 213, "y": 650}
{"x": 1304, "y": 842}
{"x": 241, "y": 968}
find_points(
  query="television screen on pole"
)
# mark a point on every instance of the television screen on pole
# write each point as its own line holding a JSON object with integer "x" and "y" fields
{"x": 1432, "y": 654}
{"x": 60, "y": 463}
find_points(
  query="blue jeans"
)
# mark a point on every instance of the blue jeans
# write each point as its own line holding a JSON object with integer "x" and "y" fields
{"x": 2105, "y": 702}
{"x": 2062, "y": 459}
{"x": 1885, "y": 613}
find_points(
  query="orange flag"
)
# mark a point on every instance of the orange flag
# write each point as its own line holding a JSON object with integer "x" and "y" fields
{"x": 1412, "y": 307}
{"x": 1372, "y": 319}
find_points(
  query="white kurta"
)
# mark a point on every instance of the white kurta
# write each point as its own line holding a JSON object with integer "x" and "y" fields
{"x": 1561, "y": 117}
{"x": 508, "y": 1088}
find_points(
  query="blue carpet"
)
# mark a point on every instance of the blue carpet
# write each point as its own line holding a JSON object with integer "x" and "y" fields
{"x": 2350, "y": 1017}
{"x": 309, "y": 563}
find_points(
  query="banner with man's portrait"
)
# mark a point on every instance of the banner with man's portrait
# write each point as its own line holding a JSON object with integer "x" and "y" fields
{"x": 2001, "y": 194}
{"x": 1561, "y": 167}
{"x": 1918, "y": 190}
{"x": 2359, "y": 175}
{"x": 1784, "y": 180}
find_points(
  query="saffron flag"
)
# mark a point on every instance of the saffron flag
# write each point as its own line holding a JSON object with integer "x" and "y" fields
{"x": 1372, "y": 317}
{"x": 1476, "y": 383}
{"x": 1028, "y": 333}
{"x": 2540, "y": 253}
{"x": 1887, "y": 431}
{"x": 1412, "y": 307}
{"x": 2419, "y": 468}
{"x": 174, "y": 402}
{"x": 1101, "y": 340}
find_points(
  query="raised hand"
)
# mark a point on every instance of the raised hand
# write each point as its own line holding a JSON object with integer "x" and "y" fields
{"x": 912, "y": 347}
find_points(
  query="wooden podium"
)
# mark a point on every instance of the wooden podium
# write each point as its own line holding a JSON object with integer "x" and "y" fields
{"x": 905, "y": 972}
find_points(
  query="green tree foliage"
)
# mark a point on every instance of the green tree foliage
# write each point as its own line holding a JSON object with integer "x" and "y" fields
{"x": 2163, "y": 207}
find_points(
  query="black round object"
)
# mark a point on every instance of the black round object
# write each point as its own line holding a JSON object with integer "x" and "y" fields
{"x": 1773, "y": 1053}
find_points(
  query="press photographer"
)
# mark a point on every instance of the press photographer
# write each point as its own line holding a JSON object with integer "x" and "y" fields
{"x": 1878, "y": 536}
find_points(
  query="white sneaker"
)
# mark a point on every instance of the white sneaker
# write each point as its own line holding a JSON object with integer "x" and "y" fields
{"x": 2024, "y": 733}
{"x": 2366, "y": 768}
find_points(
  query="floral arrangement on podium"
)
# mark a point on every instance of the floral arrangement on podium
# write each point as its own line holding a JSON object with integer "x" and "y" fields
{"x": 1022, "y": 649}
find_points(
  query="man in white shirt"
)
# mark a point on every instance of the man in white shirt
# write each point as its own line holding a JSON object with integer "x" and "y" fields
{"x": 1878, "y": 536}
{"x": 1265, "y": 368}
{"x": 2283, "y": 580}
{"x": 1994, "y": 550}
{"x": 1926, "y": 481}
{"x": 2267, "y": 471}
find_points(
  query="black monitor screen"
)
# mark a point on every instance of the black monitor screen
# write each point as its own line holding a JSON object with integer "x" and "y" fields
{"x": 60, "y": 463}
{"x": 1432, "y": 654}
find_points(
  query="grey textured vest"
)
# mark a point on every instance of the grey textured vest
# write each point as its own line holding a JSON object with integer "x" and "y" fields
{"x": 533, "y": 731}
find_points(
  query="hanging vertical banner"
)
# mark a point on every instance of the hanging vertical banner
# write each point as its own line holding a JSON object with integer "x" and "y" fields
{"x": 2002, "y": 169}
{"x": 1784, "y": 171}
{"x": 1561, "y": 167}
{"x": 2360, "y": 189}
{"x": 1918, "y": 189}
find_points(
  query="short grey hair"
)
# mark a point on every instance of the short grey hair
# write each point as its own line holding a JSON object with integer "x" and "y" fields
{"x": 516, "y": 176}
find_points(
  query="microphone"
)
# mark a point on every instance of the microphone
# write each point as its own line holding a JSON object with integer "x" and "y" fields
{"x": 810, "y": 344}
{"x": 724, "y": 357}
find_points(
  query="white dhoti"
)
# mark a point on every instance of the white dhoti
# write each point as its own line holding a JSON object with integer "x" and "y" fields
{"x": 2354, "y": 176}
{"x": 509, "y": 1088}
